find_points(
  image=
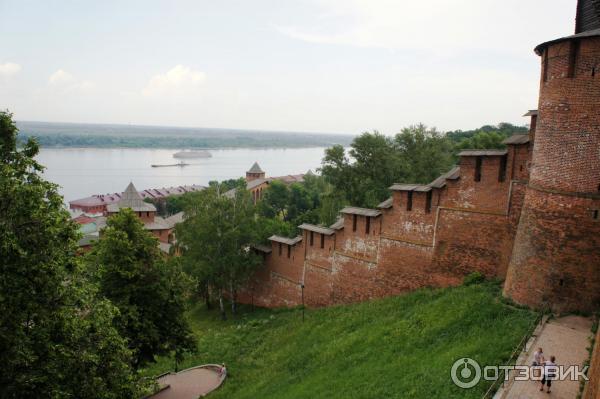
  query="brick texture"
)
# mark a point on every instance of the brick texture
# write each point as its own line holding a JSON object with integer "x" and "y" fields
{"x": 592, "y": 388}
{"x": 467, "y": 226}
{"x": 556, "y": 263}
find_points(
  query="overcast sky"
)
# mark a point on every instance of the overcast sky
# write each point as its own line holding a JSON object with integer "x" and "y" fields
{"x": 310, "y": 65}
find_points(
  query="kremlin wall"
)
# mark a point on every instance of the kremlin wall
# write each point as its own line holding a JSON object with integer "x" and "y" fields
{"x": 528, "y": 215}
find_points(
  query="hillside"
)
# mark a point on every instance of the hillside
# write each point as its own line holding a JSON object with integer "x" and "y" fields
{"x": 396, "y": 347}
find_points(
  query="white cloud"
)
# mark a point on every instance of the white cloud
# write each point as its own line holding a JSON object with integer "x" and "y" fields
{"x": 66, "y": 82}
{"x": 61, "y": 77}
{"x": 9, "y": 69}
{"x": 178, "y": 80}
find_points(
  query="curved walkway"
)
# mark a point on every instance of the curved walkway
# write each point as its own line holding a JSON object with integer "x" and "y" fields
{"x": 189, "y": 384}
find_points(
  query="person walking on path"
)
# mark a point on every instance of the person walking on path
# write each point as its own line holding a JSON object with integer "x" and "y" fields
{"x": 537, "y": 364}
{"x": 538, "y": 357}
{"x": 550, "y": 371}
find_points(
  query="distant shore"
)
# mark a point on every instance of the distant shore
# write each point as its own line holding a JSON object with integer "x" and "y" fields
{"x": 69, "y": 135}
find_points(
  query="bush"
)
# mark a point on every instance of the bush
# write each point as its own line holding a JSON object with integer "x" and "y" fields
{"x": 473, "y": 278}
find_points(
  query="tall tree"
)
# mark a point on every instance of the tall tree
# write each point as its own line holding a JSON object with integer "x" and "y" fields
{"x": 149, "y": 292}
{"x": 416, "y": 155}
{"x": 56, "y": 336}
{"x": 216, "y": 238}
{"x": 424, "y": 154}
{"x": 275, "y": 200}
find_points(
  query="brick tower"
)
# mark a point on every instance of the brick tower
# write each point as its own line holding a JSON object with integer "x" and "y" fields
{"x": 556, "y": 256}
{"x": 255, "y": 172}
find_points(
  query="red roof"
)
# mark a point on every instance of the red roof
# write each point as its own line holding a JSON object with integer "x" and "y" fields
{"x": 106, "y": 199}
{"x": 83, "y": 219}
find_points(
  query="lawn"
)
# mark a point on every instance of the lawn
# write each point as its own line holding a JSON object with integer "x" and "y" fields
{"x": 401, "y": 347}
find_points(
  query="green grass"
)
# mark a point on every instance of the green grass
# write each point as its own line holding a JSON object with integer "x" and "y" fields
{"x": 400, "y": 347}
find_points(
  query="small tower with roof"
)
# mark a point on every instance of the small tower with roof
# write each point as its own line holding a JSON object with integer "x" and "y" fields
{"x": 132, "y": 199}
{"x": 254, "y": 173}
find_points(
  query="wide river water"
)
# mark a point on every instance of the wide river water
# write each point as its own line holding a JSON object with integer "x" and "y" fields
{"x": 81, "y": 172}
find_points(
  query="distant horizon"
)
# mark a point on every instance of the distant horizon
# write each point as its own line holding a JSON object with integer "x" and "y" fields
{"x": 186, "y": 127}
{"x": 260, "y": 130}
{"x": 313, "y": 66}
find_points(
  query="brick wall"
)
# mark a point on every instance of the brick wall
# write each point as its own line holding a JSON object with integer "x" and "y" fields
{"x": 535, "y": 223}
{"x": 555, "y": 262}
{"x": 467, "y": 226}
{"x": 592, "y": 389}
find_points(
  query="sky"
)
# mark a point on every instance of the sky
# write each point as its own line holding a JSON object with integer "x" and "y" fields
{"x": 335, "y": 66}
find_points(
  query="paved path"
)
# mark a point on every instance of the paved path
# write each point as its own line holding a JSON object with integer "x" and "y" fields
{"x": 567, "y": 339}
{"x": 188, "y": 384}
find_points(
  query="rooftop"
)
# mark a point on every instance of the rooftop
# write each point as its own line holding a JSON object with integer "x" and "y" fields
{"x": 285, "y": 240}
{"x": 482, "y": 153}
{"x": 338, "y": 225}
{"x": 352, "y": 210}
{"x": 386, "y": 204}
{"x": 152, "y": 193}
{"x": 255, "y": 169}
{"x": 517, "y": 139}
{"x": 590, "y": 33}
{"x": 317, "y": 229}
{"x": 262, "y": 248}
{"x": 410, "y": 187}
{"x": 531, "y": 112}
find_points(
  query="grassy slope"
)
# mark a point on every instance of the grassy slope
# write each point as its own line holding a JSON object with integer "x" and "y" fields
{"x": 395, "y": 347}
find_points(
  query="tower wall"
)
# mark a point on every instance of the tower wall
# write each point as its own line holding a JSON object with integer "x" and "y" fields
{"x": 556, "y": 255}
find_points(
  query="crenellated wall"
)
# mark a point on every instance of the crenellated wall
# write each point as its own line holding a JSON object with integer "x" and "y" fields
{"x": 425, "y": 235}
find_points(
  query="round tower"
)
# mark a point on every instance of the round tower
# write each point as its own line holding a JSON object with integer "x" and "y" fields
{"x": 556, "y": 256}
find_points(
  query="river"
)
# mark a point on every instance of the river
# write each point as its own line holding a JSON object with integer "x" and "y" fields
{"x": 81, "y": 172}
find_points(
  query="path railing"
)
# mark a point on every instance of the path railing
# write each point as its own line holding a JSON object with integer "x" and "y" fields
{"x": 500, "y": 382}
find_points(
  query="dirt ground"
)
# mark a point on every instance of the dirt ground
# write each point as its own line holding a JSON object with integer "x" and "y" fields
{"x": 189, "y": 384}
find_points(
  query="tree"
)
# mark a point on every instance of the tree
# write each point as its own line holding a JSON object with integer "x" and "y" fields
{"x": 416, "y": 155}
{"x": 228, "y": 184}
{"x": 275, "y": 200}
{"x": 149, "y": 292}
{"x": 503, "y": 129}
{"x": 482, "y": 140}
{"x": 216, "y": 238}
{"x": 56, "y": 334}
{"x": 424, "y": 154}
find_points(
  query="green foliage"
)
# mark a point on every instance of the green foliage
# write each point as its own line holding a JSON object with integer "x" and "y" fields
{"x": 424, "y": 152}
{"x": 228, "y": 184}
{"x": 56, "y": 336}
{"x": 416, "y": 155}
{"x": 482, "y": 140}
{"x": 267, "y": 226}
{"x": 275, "y": 200}
{"x": 399, "y": 347}
{"x": 473, "y": 278}
{"x": 149, "y": 292}
{"x": 503, "y": 129}
{"x": 216, "y": 238}
{"x": 311, "y": 201}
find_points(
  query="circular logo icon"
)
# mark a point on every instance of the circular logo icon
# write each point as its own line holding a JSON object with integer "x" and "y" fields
{"x": 465, "y": 373}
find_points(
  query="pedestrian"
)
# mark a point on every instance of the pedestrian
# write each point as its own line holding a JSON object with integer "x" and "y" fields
{"x": 538, "y": 357}
{"x": 550, "y": 371}
{"x": 538, "y": 361}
